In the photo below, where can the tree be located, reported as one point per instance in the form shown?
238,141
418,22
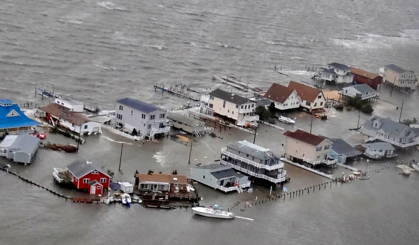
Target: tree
260,111
272,109
150,172
408,121
174,172
367,108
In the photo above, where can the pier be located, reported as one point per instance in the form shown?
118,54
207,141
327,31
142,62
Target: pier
176,93
232,81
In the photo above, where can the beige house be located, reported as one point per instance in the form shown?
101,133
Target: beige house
233,107
312,98
400,77
303,147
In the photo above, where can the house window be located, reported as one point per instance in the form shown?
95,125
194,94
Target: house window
228,111
143,116
318,148
237,106
149,126
242,107
152,117
232,112
224,104
203,177
319,97
132,112
85,126
95,172
211,105
211,97
86,180
121,108
102,180
308,103
161,125
161,115
321,103
315,104
326,147
98,187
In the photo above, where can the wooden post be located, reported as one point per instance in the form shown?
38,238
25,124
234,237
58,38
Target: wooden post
401,111
190,152
120,157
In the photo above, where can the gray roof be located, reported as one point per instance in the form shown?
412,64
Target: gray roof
81,167
251,149
330,71
26,143
233,98
138,105
184,119
379,146
396,68
340,66
390,127
363,88
213,166
341,147
226,173
263,102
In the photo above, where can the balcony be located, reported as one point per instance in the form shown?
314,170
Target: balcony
280,178
233,188
321,161
253,163
59,174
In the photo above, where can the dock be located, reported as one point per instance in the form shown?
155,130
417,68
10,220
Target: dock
329,176
176,93
232,81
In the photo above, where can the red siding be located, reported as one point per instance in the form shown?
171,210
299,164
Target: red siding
92,177
373,83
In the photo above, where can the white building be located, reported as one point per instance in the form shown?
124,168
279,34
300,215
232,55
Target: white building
71,104
233,107
140,118
379,150
399,77
312,99
220,177
255,161
19,148
284,98
338,73
363,90
74,121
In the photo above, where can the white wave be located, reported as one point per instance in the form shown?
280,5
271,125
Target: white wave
111,6
222,45
159,47
297,72
120,142
269,42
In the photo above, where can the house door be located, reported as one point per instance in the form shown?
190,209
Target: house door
93,189
154,187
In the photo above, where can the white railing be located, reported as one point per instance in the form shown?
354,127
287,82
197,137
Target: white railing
279,179
115,131
329,176
160,130
327,162
233,188
258,165
56,174
382,138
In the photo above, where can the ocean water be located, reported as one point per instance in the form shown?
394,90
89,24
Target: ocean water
100,51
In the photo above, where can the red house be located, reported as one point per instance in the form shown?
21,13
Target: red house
85,175
369,78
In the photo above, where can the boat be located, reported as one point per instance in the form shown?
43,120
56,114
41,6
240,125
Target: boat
155,203
211,212
415,167
286,120
406,171
126,199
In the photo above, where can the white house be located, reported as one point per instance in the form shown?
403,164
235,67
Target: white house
399,77
284,98
233,107
71,104
385,129
363,90
140,118
19,148
73,121
338,73
312,99
258,162
379,150
220,177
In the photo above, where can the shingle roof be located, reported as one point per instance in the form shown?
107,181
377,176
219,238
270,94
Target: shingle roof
18,119
5,101
167,178
65,114
395,68
81,167
379,146
363,73
233,98
278,93
339,66
305,137
251,149
341,147
213,166
363,88
390,127
226,173
305,92
26,143
184,119
138,105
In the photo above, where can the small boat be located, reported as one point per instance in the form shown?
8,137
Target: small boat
415,167
406,171
126,199
286,120
211,212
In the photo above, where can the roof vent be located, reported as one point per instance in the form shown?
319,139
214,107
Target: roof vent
174,178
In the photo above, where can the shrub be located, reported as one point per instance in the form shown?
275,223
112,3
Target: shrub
408,121
324,117
150,172
110,173
367,108
339,107
174,172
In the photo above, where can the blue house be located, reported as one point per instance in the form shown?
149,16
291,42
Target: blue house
342,151
12,119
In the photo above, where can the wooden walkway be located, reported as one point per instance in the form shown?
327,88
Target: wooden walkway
172,92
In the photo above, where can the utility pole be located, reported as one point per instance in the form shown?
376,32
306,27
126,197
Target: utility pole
401,110
78,141
311,124
120,157
394,83
254,136
190,152
359,117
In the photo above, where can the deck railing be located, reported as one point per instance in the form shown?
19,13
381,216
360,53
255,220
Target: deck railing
280,177
253,163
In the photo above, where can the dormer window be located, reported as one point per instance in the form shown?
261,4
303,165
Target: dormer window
95,172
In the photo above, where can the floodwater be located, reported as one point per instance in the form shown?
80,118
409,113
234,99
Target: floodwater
100,51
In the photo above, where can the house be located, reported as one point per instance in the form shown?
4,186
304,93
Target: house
386,130
399,77
303,147
365,77
71,104
19,148
220,177
232,107
13,120
140,118
337,73
284,98
164,183
258,162
342,151
74,121
187,124
362,90
379,150
85,176
312,98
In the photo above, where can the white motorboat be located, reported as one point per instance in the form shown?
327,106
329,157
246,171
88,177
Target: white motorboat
126,199
213,213
406,171
415,167
286,120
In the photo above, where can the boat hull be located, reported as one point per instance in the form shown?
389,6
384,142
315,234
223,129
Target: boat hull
217,215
